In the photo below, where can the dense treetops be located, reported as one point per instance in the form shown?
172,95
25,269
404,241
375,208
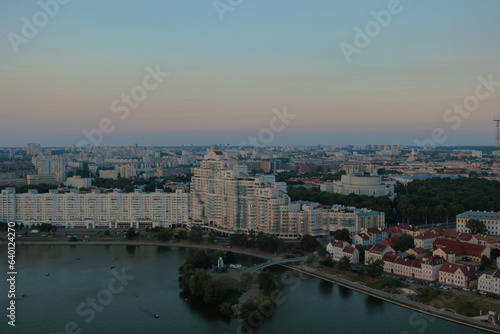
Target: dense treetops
421,201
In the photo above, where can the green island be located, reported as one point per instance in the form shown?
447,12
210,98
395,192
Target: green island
237,293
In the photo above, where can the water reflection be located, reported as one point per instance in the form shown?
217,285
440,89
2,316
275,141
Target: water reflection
162,249
325,287
373,303
345,292
131,249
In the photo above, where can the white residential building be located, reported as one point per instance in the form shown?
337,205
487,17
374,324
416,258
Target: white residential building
225,198
116,209
490,281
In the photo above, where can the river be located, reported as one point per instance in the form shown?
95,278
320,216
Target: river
73,289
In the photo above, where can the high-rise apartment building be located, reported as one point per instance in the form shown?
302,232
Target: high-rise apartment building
55,165
225,197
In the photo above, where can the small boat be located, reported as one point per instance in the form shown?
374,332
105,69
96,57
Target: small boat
137,295
46,274
113,267
157,316
115,258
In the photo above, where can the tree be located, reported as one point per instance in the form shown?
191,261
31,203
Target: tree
212,293
343,234
249,306
327,262
131,234
266,282
226,309
344,264
196,282
106,232
495,252
309,243
212,237
246,278
485,261
196,235
405,242
164,235
182,234
476,226
375,268
200,259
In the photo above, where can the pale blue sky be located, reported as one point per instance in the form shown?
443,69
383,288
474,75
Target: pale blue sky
227,76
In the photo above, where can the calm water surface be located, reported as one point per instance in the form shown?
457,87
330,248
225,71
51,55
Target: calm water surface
62,301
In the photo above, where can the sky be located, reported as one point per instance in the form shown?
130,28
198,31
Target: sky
342,76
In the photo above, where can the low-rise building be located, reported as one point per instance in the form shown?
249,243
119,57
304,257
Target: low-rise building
41,179
453,251
397,265
430,267
417,252
376,252
425,240
456,274
490,281
352,253
335,249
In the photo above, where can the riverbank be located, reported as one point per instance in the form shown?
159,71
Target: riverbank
398,300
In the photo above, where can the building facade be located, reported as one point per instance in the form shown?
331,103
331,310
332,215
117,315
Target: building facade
490,219
92,210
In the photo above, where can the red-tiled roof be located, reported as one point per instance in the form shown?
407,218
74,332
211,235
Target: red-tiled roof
390,241
377,249
427,235
459,248
452,268
349,249
432,260
420,250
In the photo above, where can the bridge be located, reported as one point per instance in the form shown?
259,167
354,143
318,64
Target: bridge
269,263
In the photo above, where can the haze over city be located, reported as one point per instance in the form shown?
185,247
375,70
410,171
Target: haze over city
229,69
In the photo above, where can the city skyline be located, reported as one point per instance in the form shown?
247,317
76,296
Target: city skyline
229,69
